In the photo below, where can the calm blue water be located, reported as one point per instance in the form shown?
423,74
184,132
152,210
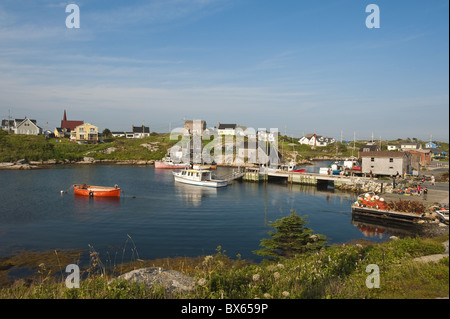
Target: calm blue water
163,218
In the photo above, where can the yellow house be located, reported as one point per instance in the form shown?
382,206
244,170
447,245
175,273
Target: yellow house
85,133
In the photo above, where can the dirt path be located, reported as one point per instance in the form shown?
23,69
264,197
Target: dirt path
434,258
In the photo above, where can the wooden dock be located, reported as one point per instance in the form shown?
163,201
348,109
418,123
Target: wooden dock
257,174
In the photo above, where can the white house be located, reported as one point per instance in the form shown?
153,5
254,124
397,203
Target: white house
27,126
410,146
226,129
316,140
118,134
392,147
139,132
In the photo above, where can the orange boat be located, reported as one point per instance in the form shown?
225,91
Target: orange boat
96,191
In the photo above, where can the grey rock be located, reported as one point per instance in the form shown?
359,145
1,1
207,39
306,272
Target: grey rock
173,281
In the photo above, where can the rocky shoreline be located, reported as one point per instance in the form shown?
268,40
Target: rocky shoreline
26,165
23,164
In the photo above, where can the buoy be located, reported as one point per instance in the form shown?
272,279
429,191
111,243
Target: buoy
62,192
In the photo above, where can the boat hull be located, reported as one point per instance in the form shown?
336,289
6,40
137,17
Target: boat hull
164,165
210,183
96,191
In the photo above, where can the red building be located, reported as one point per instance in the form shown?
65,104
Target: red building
69,125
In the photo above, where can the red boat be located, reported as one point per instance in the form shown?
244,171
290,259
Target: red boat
300,170
96,191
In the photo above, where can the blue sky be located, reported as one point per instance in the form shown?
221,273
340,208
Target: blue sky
300,66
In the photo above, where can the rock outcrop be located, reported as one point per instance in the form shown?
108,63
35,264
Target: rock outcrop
172,281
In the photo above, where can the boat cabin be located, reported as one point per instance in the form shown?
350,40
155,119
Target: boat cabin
198,175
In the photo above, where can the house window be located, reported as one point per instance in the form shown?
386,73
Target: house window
81,129
391,167
391,160
372,159
92,129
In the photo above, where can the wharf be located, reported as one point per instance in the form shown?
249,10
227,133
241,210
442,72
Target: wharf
391,215
264,174
438,196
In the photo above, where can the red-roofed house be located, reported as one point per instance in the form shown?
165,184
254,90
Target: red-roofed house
69,124
66,126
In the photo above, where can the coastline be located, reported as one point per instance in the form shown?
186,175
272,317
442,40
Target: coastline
23,164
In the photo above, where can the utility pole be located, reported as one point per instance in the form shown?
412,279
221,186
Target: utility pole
9,117
354,141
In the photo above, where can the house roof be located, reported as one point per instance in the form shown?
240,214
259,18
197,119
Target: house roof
383,154
227,126
325,139
372,148
21,120
420,151
141,129
71,125
5,123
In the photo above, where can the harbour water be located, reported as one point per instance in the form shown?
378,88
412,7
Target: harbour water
160,217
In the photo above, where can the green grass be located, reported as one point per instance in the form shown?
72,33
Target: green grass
37,148
335,272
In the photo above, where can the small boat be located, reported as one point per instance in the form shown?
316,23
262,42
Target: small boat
290,167
352,165
198,178
96,191
336,168
443,215
168,163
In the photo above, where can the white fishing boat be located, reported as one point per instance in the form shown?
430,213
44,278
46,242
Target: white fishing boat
198,177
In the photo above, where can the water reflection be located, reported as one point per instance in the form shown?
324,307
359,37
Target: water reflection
375,228
193,195
85,204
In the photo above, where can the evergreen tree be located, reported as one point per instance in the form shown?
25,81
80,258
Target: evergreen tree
290,238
